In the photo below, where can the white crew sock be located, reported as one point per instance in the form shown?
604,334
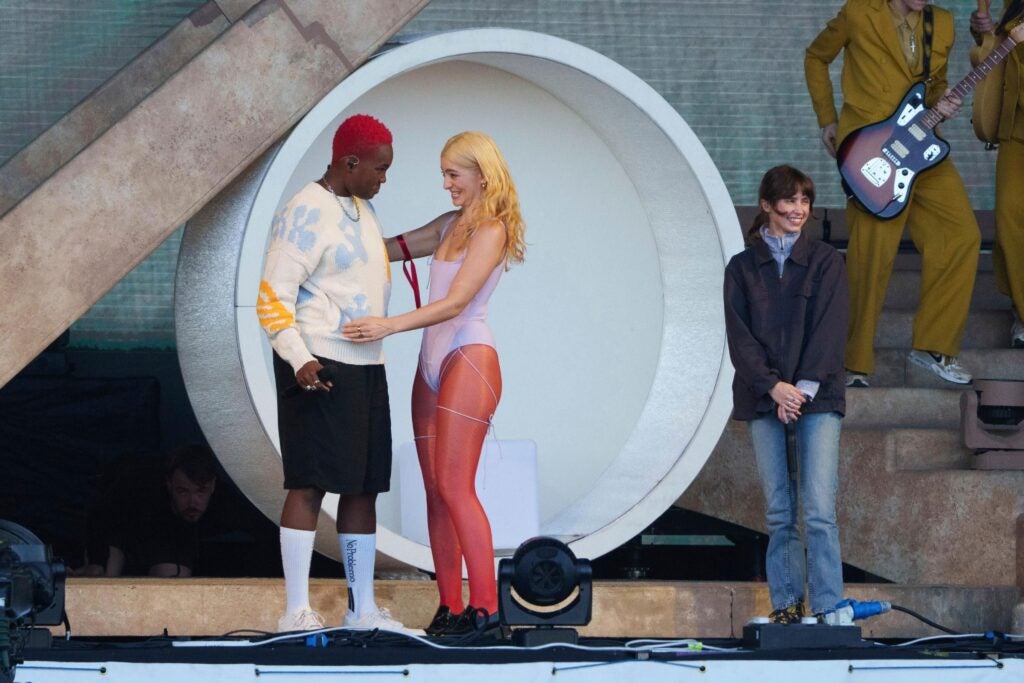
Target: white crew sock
296,556
358,552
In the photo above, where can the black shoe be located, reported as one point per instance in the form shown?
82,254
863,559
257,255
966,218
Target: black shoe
442,621
473,620
787,615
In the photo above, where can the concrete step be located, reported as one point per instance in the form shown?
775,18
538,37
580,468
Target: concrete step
656,609
930,450
902,514
894,369
904,291
903,407
986,329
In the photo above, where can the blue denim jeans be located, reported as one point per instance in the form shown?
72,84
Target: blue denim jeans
787,565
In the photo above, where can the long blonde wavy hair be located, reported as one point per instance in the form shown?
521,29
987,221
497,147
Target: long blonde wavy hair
499,200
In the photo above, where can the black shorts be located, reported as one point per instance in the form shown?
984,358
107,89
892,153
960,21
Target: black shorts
339,440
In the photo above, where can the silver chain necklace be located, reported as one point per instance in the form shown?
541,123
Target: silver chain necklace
330,189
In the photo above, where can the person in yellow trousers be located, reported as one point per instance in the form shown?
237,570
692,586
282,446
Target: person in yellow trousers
886,47
1008,254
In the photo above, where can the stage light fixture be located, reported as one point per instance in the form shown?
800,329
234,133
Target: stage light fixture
31,594
544,586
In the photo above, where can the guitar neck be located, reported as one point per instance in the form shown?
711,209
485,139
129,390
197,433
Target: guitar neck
933,118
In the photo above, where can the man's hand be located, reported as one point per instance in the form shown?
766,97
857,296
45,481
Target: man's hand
307,377
828,138
949,105
981,21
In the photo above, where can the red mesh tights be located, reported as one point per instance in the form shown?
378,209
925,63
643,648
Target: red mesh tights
450,427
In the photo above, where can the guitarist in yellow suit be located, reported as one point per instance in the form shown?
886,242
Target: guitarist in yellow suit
885,49
1008,255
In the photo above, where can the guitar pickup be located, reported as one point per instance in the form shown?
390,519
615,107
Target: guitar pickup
917,132
900,149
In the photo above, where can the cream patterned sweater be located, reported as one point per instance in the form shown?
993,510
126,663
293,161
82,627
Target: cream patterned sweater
323,270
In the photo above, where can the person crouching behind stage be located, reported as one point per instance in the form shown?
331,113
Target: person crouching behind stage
326,264
786,305
458,383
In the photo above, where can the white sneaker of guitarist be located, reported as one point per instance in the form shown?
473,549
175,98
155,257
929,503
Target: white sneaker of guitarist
946,367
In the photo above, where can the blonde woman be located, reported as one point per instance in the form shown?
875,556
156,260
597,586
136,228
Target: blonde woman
458,382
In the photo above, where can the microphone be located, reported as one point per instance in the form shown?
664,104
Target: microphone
325,374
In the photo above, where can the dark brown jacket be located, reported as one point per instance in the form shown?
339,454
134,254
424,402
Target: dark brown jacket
788,328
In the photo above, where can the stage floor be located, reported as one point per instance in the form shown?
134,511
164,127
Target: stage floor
336,654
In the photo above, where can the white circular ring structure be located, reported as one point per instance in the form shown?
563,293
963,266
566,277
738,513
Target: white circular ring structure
611,335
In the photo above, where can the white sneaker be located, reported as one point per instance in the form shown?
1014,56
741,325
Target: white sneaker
856,379
1017,333
301,619
378,619
946,367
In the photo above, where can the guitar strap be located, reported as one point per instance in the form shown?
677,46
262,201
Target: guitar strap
929,28
409,268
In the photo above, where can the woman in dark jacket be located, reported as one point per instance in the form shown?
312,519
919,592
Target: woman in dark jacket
786,312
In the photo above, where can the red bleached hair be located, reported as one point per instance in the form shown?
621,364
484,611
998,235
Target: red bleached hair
358,135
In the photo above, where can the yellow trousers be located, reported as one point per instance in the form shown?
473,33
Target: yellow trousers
1008,253
945,232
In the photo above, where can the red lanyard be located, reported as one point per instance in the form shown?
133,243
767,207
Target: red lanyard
409,268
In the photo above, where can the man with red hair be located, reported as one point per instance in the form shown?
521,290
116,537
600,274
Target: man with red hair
326,265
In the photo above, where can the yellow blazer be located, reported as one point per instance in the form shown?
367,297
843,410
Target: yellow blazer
875,73
1013,74
1011,92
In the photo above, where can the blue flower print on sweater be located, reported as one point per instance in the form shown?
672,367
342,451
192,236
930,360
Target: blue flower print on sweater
278,226
359,309
302,238
346,254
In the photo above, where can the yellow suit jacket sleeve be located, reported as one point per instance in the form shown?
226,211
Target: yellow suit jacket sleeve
875,74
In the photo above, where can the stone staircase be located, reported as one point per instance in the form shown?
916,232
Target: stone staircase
911,508
142,154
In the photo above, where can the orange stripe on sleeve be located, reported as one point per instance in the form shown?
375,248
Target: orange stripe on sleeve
273,315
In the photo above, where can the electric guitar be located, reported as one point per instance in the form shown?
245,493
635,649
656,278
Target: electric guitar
879,163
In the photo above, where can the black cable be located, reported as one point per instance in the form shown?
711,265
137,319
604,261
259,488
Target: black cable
924,619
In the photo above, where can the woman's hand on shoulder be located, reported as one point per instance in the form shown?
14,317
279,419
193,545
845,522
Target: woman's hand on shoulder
367,329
